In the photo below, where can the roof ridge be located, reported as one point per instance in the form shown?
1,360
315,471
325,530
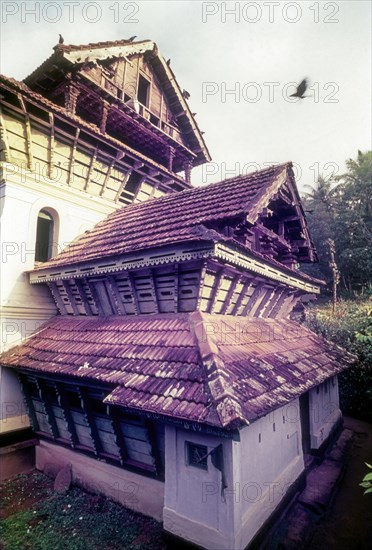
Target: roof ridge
223,401
96,45
197,189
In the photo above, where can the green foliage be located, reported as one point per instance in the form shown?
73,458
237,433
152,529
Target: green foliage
367,481
351,328
340,209
34,516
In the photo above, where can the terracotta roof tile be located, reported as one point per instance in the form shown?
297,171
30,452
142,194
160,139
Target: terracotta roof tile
170,219
264,365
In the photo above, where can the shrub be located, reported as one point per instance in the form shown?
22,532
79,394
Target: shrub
351,328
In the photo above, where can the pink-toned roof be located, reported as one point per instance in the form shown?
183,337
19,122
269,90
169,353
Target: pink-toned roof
211,369
175,218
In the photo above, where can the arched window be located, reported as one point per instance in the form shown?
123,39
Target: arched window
44,236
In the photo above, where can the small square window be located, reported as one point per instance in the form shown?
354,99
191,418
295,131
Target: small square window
196,455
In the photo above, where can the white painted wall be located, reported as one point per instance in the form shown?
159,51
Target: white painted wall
25,307
137,492
194,508
259,469
270,459
324,411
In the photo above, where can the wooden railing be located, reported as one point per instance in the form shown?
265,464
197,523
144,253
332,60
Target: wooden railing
166,127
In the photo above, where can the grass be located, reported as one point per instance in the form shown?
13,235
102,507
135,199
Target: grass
35,517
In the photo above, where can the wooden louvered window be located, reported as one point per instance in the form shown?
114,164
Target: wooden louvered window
36,409
77,416
196,455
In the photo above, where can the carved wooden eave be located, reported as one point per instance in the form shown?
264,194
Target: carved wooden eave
213,277
283,191
69,61
122,115
39,115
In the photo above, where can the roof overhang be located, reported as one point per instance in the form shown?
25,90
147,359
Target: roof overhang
242,259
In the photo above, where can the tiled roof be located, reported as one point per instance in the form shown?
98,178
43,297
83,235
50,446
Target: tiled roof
174,218
96,45
211,369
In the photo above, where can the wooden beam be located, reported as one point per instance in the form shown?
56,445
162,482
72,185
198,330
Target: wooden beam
104,116
188,167
153,288
150,428
119,156
214,294
264,303
72,93
4,143
96,297
138,189
272,314
261,229
30,158
255,299
67,414
123,81
54,289
230,293
171,155
176,287
119,437
122,185
84,299
89,175
249,282
116,294
28,400
72,156
201,284
90,420
288,304
134,293
70,296
48,408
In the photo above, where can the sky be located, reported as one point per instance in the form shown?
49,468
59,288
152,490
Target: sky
239,61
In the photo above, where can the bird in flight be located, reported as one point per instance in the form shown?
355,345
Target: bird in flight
61,39
301,89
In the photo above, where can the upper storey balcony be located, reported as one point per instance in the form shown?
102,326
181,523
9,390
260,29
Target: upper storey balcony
130,93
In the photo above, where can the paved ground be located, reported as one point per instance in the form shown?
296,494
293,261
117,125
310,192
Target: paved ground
331,513
347,524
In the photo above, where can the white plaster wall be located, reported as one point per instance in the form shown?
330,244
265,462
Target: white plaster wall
140,493
24,307
270,459
13,410
324,411
194,508
23,195
260,469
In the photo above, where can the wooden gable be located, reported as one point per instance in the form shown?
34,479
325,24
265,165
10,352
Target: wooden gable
133,81
280,230
129,91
